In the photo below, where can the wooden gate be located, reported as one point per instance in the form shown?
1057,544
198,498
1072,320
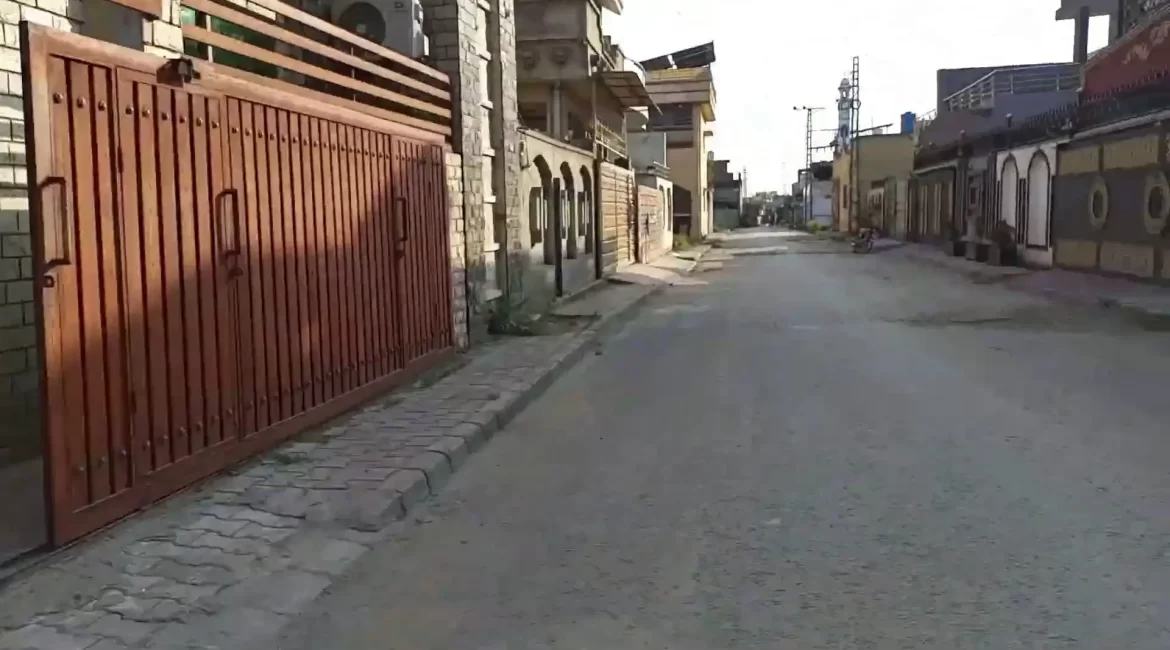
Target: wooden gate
221,263
618,216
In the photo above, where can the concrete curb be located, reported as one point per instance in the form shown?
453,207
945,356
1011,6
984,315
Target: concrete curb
453,450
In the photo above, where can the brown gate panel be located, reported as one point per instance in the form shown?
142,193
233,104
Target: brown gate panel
218,271
421,236
617,216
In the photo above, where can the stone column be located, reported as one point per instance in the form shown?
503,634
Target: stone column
451,27
506,141
454,165
473,41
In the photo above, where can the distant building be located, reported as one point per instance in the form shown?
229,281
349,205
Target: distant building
683,88
728,198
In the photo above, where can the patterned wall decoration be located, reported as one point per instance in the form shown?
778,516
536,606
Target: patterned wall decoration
1130,153
1098,203
1085,160
1133,59
1076,253
1157,204
1128,259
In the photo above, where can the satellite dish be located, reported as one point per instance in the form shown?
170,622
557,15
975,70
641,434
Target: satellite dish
365,20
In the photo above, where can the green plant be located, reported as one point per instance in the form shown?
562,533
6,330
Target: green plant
506,318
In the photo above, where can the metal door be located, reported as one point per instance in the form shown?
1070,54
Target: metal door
421,247
217,270
135,287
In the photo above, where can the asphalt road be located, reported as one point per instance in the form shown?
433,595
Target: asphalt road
806,451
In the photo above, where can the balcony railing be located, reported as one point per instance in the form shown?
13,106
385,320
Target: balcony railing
1014,81
607,137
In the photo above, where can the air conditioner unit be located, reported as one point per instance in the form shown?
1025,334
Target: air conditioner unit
396,24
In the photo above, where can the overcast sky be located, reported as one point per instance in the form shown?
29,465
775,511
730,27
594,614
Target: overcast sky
774,54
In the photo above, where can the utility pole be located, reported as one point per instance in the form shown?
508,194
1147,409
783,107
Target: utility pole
806,191
855,143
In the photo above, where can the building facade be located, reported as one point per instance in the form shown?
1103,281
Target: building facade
871,162
728,196
575,88
686,101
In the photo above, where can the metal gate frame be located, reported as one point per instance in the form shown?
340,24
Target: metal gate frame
400,316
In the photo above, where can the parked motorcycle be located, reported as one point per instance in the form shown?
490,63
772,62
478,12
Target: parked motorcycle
863,242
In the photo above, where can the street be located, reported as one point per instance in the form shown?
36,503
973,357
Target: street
818,451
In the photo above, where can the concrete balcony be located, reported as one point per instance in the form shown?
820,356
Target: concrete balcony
684,86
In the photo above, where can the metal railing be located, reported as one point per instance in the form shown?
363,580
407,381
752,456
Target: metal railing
1014,81
607,137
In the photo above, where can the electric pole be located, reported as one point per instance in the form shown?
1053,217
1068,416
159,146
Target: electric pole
854,142
806,190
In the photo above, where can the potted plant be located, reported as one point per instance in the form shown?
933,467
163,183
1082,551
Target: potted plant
1002,251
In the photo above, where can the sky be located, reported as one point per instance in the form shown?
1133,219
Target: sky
776,54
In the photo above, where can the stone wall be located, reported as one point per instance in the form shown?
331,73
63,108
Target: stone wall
458,257
474,42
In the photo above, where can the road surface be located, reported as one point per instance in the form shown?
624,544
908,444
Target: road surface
804,451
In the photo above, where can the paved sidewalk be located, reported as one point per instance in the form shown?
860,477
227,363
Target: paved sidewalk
229,564
936,256
1087,288
1060,284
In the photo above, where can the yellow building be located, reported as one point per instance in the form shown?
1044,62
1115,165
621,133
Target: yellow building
885,161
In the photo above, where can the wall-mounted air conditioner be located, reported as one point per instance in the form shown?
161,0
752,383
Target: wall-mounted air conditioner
396,24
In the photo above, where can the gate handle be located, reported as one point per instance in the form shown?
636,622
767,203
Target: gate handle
61,255
231,246
400,205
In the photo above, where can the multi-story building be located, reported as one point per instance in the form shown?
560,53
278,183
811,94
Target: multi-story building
683,88
574,89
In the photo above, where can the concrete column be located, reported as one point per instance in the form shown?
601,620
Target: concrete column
454,27
1081,36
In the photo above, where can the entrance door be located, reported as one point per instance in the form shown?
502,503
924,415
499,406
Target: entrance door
136,267
221,265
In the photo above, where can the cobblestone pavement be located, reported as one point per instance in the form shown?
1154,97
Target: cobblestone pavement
229,564
808,452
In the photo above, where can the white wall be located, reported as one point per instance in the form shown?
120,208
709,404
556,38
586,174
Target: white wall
1038,210
822,203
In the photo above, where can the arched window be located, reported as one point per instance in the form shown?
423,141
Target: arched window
1009,184
540,226
1039,181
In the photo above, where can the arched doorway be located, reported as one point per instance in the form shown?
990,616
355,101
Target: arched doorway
1009,180
539,214
568,212
585,210
1039,180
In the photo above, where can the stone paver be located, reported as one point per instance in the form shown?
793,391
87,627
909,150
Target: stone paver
232,561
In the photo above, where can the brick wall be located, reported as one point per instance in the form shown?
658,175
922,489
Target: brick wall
18,350
474,42
458,258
